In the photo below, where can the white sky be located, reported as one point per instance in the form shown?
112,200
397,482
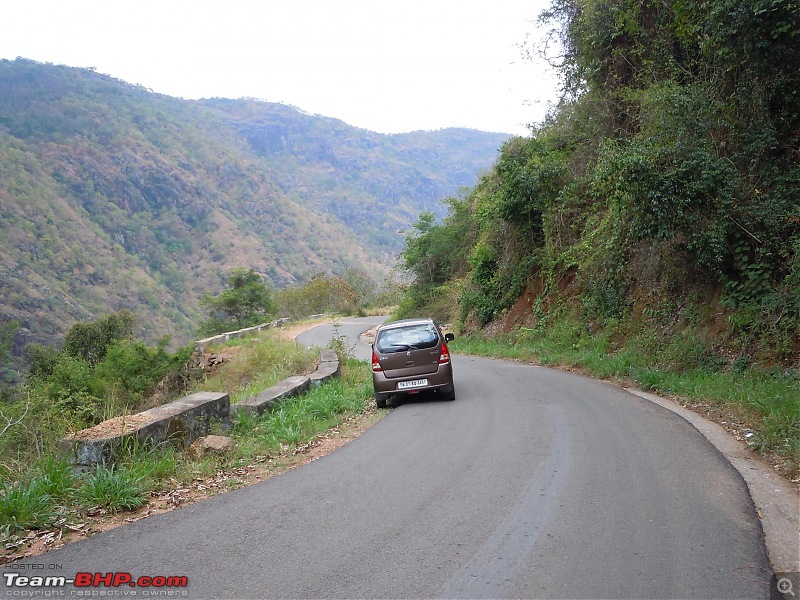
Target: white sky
385,65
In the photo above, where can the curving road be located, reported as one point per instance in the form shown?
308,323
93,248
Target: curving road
534,483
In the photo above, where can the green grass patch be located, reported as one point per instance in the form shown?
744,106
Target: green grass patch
298,419
56,477
153,466
115,488
26,505
259,361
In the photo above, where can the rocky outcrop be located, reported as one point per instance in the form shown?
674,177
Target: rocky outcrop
210,444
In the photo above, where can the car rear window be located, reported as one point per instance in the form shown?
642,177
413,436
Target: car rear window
410,337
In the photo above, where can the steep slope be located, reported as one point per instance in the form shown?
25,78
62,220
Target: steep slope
374,184
661,198
114,197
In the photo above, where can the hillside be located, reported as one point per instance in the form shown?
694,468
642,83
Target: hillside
356,175
658,206
114,197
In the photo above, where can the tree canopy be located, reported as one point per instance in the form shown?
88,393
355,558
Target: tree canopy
246,301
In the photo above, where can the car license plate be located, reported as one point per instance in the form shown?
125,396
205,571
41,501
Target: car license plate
404,385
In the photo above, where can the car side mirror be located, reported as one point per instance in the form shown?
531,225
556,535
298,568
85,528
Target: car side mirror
449,337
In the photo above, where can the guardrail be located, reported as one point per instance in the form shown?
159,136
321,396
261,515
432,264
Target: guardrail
201,345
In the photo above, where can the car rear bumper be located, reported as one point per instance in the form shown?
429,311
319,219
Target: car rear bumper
441,378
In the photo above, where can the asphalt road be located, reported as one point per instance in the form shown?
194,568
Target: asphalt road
534,483
351,329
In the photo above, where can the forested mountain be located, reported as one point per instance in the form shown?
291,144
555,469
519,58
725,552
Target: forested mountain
356,175
658,206
113,197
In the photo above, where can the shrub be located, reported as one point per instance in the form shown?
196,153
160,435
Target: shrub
112,488
90,341
322,294
134,368
56,477
25,505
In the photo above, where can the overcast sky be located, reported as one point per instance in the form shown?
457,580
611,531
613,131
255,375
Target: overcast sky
385,65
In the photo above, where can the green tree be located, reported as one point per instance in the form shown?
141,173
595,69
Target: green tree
321,294
247,301
362,284
90,341
427,254
7,332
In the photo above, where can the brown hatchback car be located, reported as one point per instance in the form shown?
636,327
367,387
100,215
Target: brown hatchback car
411,356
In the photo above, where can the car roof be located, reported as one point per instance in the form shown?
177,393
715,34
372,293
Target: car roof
406,322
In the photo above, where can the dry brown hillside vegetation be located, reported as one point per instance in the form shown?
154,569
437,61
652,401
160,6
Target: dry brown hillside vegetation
114,197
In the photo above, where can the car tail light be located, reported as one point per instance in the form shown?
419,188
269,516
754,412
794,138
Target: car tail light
376,364
444,357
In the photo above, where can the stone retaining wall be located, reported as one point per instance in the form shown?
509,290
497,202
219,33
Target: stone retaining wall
181,421
327,369
186,419
271,396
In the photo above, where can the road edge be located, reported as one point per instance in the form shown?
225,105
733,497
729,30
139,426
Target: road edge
777,502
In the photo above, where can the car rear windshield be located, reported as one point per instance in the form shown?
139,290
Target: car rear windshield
409,337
